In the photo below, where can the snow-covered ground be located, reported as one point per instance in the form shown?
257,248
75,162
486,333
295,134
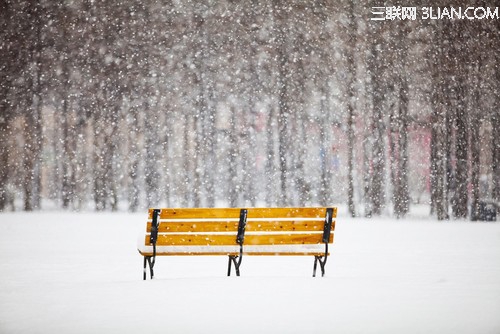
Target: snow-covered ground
81,273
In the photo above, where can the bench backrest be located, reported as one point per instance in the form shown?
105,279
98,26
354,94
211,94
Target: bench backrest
219,226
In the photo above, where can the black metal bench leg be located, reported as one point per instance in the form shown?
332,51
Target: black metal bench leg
232,260
229,266
151,272
321,264
237,266
147,260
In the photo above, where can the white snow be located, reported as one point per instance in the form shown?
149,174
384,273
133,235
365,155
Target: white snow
81,273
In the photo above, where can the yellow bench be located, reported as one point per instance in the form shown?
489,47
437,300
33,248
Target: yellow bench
235,232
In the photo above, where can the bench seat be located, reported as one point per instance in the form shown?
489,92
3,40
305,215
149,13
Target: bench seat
294,250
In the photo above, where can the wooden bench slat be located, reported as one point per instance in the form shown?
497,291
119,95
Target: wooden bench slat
286,212
285,239
186,213
196,226
176,213
232,226
193,239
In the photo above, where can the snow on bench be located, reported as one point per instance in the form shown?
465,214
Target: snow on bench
235,232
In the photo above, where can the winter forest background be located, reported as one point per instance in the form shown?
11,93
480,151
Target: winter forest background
131,104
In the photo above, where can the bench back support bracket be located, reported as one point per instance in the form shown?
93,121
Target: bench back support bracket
327,229
240,239
150,260
242,224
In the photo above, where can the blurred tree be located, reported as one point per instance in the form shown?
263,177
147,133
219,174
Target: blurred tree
351,47
458,59
439,152
398,53
10,65
495,116
281,12
378,85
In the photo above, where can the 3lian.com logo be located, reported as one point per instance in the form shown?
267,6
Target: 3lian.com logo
392,13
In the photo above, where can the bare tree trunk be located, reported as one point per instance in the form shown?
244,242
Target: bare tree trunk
37,107
210,169
111,156
68,174
283,103
134,133
152,176
460,196
351,69
398,136
28,160
476,113
495,122
377,195
399,152
100,192
67,121
325,148
475,163
255,92
433,168
186,162
234,184
459,201
439,164
5,133
248,177
270,160
439,138
206,127
297,147
81,177
197,160
404,191
5,112
32,126
249,161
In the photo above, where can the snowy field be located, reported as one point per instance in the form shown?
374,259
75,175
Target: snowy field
81,273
